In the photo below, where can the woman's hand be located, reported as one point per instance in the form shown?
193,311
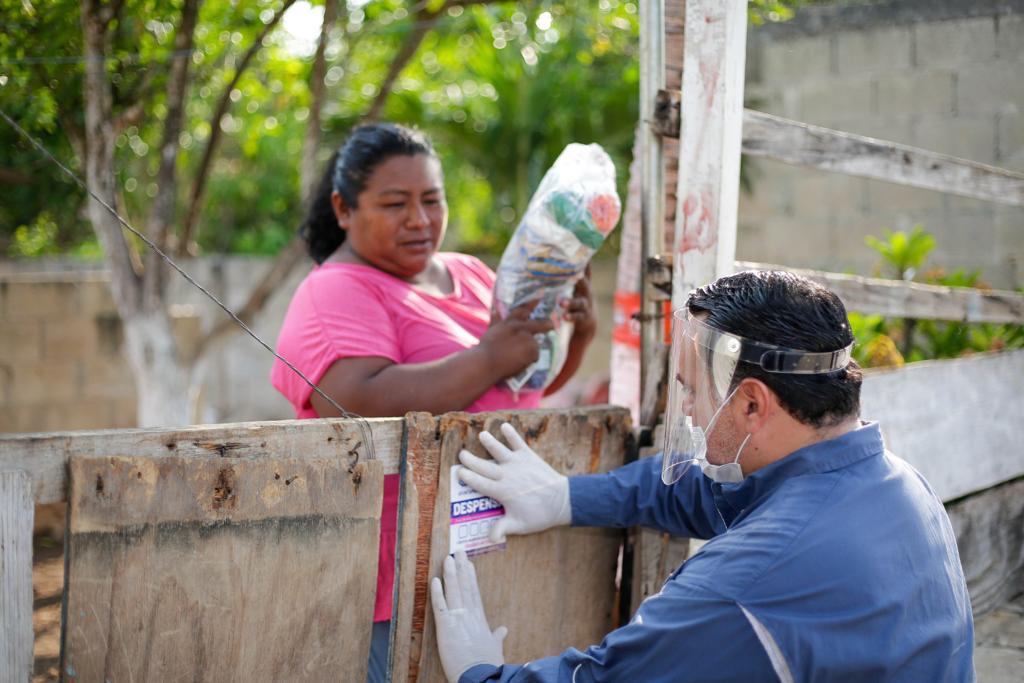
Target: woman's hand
509,343
579,310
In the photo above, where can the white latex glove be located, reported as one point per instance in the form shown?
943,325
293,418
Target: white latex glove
534,495
463,637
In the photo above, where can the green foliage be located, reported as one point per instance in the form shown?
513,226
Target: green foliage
36,239
903,253
502,87
885,342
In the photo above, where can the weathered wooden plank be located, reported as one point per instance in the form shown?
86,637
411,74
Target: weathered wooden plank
714,47
989,528
220,569
16,635
803,144
652,169
44,456
655,554
957,421
418,496
570,571
896,298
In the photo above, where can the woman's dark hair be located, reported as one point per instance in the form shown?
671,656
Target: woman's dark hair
790,311
347,172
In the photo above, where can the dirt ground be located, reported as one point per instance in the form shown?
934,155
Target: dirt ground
47,585
998,658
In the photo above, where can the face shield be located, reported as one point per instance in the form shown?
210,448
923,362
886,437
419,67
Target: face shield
703,364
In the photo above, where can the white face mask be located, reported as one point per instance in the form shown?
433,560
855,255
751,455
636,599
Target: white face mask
729,473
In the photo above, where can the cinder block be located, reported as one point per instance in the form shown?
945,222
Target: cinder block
1008,228
916,92
27,300
6,380
808,57
821,103
49,381
815,194
874,51
890,198
21,341
968,137
107,378
849,252
955,43
26,418
990,90
95,298
70,339
1010,136
771,188
1010,37
82,415
121,413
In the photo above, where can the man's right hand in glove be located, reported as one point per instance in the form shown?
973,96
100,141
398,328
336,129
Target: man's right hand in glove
534,495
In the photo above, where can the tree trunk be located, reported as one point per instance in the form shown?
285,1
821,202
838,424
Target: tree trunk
161,383
151,349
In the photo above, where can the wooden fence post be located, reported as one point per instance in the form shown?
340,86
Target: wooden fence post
16,636
714,46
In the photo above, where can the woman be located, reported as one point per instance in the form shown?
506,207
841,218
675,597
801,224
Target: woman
386,324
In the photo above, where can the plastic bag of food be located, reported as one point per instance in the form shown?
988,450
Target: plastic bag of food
570,215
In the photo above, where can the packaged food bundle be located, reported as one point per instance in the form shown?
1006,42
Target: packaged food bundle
570,215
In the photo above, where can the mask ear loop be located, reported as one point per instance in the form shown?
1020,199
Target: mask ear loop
714,418
740,451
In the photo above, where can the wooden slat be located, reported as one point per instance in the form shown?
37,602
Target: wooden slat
220,569
418,498
958,422
16,635
989,530
655,554
707,196
44,456
803,144
895,298
570,571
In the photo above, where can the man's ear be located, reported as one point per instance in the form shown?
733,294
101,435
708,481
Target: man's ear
341,210
754,404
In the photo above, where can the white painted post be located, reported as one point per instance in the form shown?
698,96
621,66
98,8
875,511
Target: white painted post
16,635
714,48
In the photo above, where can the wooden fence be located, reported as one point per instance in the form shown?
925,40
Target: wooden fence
249,551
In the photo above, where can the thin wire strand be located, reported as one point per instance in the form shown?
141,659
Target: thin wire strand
364,425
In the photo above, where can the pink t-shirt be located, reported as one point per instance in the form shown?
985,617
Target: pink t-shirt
344,310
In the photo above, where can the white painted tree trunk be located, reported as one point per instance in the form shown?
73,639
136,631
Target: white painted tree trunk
161,379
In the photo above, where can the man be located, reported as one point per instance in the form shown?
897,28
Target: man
829,559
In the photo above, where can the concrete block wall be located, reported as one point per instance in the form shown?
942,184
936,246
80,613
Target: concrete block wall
936,74
62,364
59,355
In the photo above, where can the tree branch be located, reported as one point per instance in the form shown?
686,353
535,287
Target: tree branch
161,214
281,267
318,90
199,183
424,21
99,160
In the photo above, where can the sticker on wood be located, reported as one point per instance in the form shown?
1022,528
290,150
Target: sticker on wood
220,569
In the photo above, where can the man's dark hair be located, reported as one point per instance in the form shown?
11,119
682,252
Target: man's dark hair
347,172
790,311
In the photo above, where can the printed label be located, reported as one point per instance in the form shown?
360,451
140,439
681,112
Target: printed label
472,515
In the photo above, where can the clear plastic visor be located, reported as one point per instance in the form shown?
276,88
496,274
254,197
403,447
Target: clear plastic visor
702,366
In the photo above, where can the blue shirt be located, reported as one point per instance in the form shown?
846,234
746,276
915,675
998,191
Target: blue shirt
835,563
